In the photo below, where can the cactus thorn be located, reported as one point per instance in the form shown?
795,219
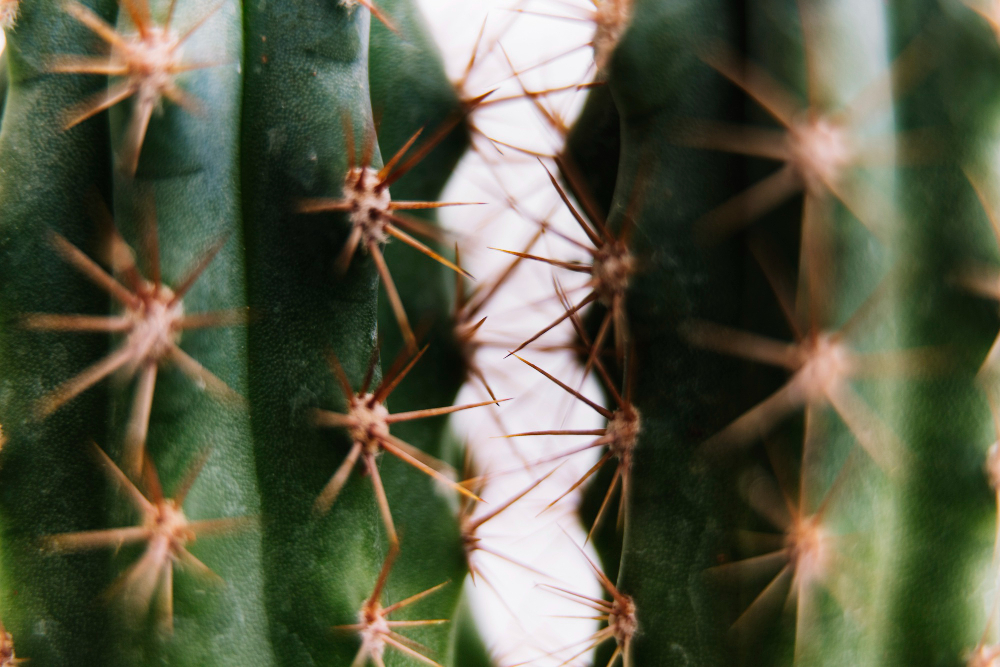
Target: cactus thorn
368,422
378,632
148,64
821,361
7,657
819,147
610,19
374,216
152,323
349,5
164,528
619,436
612,263
8,17
807,554
470,525
619,613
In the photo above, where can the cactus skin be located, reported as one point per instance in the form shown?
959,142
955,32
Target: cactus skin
946,510
306,65
410,92
470,651
594,144
926,527
4,83
676,516
190,165
853,39
49,483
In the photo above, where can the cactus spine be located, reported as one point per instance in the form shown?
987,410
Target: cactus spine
202,461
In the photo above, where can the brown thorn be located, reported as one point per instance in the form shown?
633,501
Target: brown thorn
755,82
381,16
758,420
121,479
181,492
410,652
83,381
526,151
424,205
184,100
99,102
341,375
604,504
199,23
99,26
530,94
475,525
332,488
415,598
771,265
170,15
343,260
138,424
418,226
202,376
390,289
571,266
741,344
135,133
328,419
390,527
569,313
594,236
414,243
82,323
216,318
604,412
89,268
757,200
431,142
195,272
392,378
394,160
575,180
587,475
753,141
87,65
390,447
422,456
436,412
151,480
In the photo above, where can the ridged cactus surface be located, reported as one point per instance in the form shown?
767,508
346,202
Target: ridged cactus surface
232,333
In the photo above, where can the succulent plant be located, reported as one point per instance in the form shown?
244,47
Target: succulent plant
789,223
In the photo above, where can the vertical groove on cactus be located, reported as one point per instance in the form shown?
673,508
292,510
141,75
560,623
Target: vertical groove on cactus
675,513
48,483
183,215
410,93
790,236
305,69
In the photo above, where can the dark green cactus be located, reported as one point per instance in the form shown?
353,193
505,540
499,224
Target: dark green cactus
183,213
791,211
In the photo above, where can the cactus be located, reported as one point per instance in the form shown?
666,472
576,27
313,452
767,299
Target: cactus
198,205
